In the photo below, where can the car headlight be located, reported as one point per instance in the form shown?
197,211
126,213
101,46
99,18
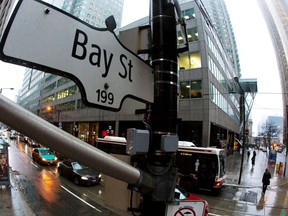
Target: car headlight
84,178
99,176
55,158
43,159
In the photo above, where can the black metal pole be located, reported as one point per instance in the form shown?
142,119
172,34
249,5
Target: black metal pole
163,116
242,108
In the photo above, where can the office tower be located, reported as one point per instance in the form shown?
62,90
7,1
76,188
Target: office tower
218,15
275,13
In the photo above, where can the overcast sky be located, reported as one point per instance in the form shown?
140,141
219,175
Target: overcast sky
257,57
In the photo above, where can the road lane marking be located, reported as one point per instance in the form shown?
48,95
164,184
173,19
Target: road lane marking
34,164
81,199
211,214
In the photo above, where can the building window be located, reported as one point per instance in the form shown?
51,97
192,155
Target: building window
191,89
49,77
62,81
189,14
65,106
196,89
66,92
49,87
192,34
190,62
185,89
49,98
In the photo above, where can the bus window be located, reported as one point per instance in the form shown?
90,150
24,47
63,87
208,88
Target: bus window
112,145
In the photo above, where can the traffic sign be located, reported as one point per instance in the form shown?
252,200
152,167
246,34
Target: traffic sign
193,208
41,36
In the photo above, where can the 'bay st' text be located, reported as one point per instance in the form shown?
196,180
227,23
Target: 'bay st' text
99,57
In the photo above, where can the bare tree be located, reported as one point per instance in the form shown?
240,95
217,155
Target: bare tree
270,130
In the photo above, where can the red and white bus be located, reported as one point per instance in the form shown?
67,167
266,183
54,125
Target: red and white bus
200,168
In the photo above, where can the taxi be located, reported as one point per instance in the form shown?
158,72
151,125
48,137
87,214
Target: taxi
44,156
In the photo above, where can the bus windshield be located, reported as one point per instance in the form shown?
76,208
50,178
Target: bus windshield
200,168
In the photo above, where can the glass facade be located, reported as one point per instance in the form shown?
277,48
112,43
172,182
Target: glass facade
95,12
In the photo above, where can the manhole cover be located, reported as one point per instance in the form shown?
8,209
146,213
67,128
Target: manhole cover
249,196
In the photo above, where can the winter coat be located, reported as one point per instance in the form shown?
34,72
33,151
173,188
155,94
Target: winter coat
266,178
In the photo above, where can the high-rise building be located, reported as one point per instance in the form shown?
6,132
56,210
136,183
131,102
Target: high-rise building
208,103
275,13
95,12
208,109
221,21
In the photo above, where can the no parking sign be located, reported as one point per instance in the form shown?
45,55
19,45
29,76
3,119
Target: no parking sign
187,208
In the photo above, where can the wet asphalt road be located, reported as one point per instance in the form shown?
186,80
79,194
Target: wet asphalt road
48,194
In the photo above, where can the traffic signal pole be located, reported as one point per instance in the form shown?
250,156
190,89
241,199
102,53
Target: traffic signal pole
163,116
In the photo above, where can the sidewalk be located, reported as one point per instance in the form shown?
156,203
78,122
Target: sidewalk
249,191
12,201
251,175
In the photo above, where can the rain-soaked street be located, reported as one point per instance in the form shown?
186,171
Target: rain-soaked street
246,198
46,193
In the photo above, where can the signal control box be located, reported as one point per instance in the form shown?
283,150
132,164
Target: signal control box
137,141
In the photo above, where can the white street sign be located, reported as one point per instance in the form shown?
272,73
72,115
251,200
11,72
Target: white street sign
193,208
41,36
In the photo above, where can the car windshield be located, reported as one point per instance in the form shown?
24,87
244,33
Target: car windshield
45,152
77,166
181,193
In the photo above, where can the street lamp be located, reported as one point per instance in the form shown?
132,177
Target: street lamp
242,117
53,111
5,88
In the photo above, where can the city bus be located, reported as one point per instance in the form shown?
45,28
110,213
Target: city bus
200,168
112,144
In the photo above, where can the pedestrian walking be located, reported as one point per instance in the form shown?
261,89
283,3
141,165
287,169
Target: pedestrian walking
248,154
253,158
266,180
253,161
254,154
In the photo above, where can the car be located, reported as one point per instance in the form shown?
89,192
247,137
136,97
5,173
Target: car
78,173
182,195
33,143
5,139
23,138
44,156
13,135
